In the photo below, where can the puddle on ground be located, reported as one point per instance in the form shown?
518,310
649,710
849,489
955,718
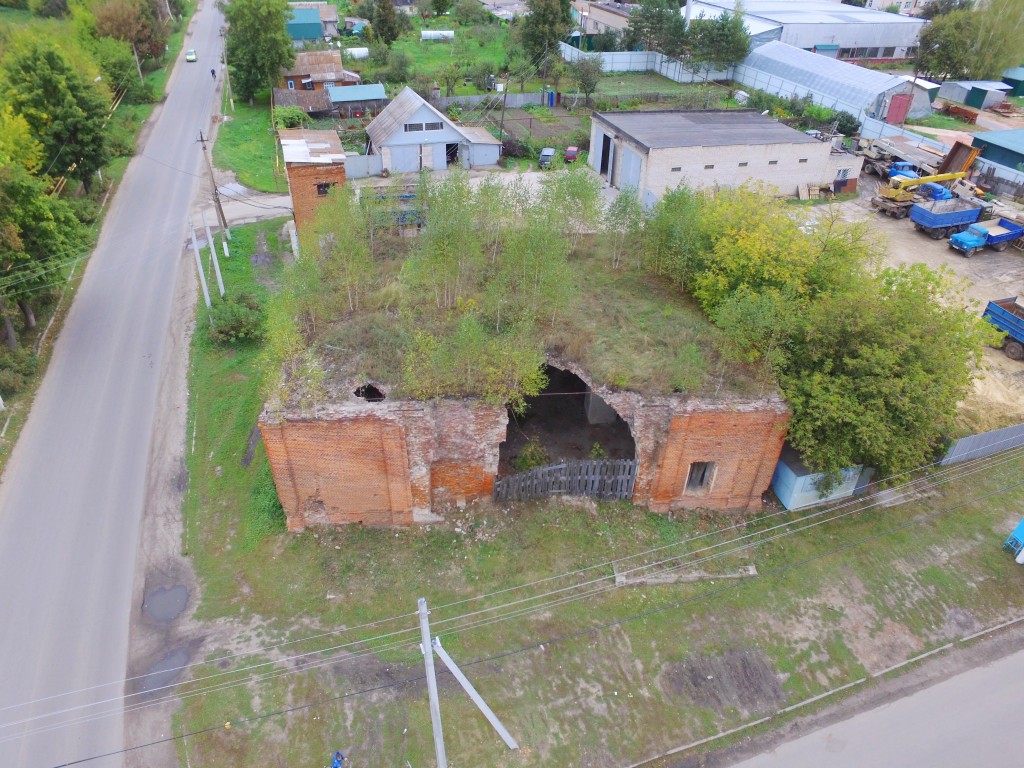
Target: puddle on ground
166,671
164,604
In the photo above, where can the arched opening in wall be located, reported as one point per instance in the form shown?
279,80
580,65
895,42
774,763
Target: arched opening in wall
369,393
565,421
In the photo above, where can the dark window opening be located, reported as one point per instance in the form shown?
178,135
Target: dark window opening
323,187
451,153
773,162
702,475
566,421
369,393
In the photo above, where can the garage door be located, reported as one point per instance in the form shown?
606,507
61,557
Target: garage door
405,159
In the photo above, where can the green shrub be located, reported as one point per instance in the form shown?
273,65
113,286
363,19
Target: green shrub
264,515
238,318
289,117
533,455
11,382
22,361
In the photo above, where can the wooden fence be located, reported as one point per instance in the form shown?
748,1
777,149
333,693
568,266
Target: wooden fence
605,479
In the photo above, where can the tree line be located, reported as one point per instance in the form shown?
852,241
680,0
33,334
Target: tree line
873,360
58,76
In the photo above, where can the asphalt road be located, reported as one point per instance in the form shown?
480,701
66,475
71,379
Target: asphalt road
73,493
963,721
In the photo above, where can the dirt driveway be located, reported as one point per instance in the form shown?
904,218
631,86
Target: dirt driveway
998,399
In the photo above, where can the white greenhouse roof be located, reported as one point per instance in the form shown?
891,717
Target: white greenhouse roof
711,10
822,75
813,12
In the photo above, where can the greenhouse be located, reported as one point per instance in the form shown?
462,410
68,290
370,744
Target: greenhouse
786,71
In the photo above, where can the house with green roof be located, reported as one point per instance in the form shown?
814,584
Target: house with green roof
305,25
1003,147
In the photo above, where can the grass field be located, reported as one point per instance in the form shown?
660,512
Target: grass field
606,679
946,122
247,145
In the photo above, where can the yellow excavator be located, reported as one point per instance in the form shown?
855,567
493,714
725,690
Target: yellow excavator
896,197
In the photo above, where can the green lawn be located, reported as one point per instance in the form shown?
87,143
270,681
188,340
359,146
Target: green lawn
247,145
830,604
946,122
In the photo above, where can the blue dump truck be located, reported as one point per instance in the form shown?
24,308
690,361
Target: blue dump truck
942,218
1008,316
996,236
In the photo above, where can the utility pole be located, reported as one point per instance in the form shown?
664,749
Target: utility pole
213,255
137,65
428,661
227,70
199,265
216,195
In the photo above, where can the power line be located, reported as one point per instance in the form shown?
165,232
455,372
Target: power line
583,632
955,473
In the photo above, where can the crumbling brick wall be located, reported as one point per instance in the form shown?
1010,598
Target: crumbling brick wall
303,181
403,462
383,464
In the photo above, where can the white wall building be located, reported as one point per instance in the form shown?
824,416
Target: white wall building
410,135
654,152
829,28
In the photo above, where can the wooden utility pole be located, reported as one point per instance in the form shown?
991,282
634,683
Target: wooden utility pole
216,195
138,66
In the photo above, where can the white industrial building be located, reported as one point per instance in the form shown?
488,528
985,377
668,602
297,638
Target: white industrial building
785,70
410,135
657,151
825,27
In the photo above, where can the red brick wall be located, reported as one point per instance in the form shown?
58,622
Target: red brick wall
384,464
743,445
332,472
302,181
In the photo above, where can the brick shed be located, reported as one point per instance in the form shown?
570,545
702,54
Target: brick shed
400,462
314,162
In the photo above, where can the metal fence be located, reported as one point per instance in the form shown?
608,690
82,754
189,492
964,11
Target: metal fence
984,444
510,100
605,479
362,166
645,61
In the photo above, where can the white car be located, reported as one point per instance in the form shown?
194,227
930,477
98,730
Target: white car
190,55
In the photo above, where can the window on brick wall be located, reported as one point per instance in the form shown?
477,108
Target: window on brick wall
323,187
291,85
701,477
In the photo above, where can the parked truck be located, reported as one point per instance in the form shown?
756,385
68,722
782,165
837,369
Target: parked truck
996,236
898,196
942,218
1008,316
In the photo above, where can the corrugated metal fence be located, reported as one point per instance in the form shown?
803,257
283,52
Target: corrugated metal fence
513,101
605,479
645,61
985,444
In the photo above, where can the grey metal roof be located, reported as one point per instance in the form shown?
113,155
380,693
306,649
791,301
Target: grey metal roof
827,77
394,115
704,128
985,85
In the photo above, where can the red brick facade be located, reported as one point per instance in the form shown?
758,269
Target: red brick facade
395,463
304,182
383,464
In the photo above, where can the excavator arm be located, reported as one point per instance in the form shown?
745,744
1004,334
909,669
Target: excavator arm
899,187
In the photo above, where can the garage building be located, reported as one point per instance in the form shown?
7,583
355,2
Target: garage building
409,134
658,151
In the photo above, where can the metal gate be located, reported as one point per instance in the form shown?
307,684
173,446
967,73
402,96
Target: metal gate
604,478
